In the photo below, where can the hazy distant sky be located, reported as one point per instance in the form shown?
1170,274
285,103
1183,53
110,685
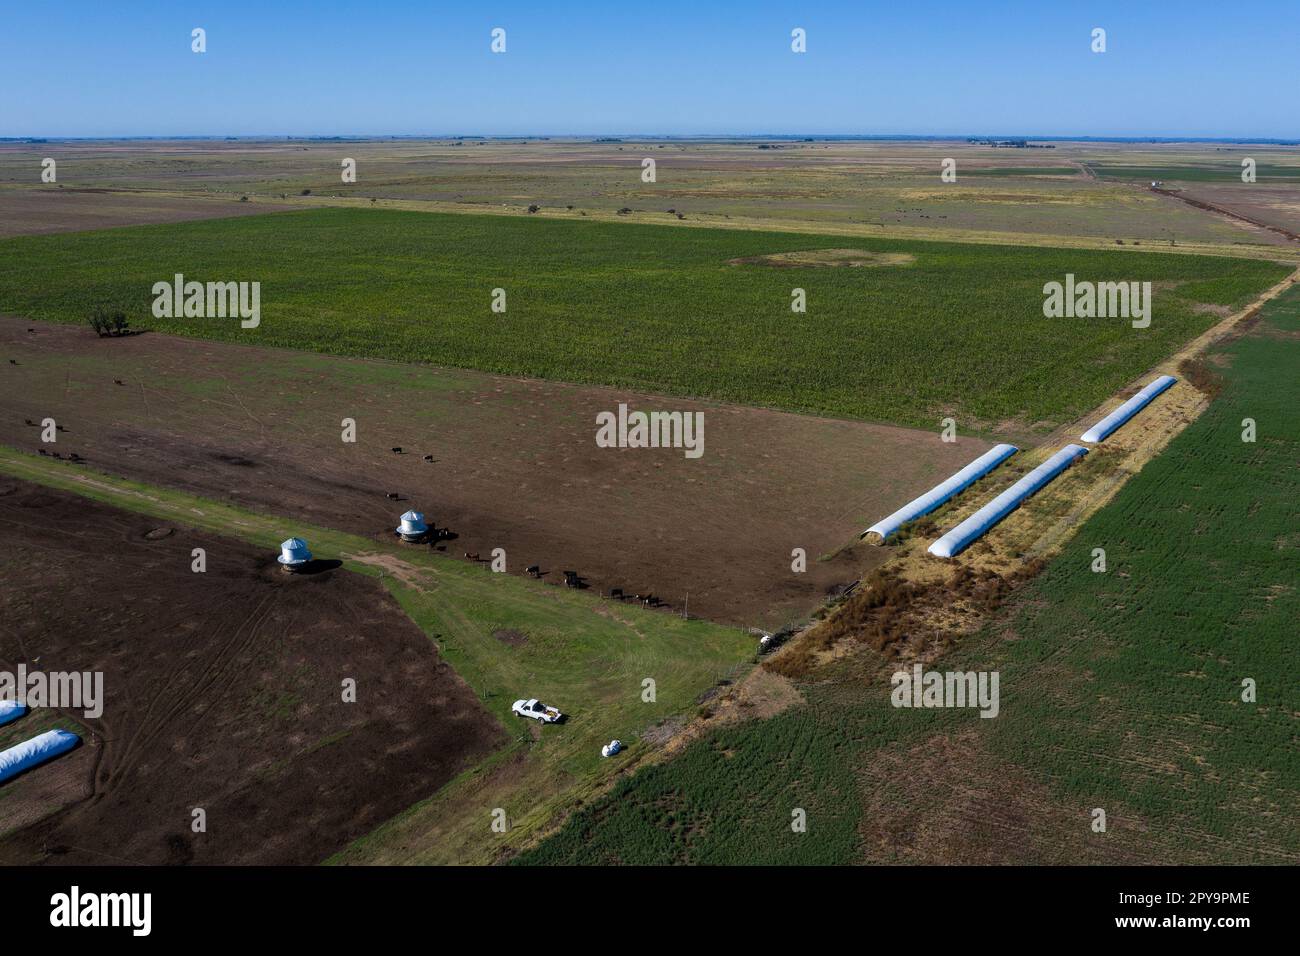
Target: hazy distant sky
1198,68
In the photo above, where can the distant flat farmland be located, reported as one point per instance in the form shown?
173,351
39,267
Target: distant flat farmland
896,331
1198,174
1021,171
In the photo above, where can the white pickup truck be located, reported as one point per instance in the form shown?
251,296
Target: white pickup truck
536,710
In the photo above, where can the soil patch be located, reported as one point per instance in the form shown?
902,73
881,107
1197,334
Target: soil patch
222,691
827,258
948,801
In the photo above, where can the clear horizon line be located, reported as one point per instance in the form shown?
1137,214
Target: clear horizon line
1026,137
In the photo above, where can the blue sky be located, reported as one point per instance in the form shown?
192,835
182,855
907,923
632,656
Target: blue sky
282,67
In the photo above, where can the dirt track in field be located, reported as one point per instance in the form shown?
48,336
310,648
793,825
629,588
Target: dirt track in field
25,212
515,464
223,691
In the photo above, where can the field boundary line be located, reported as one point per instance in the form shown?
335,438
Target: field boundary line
1285,254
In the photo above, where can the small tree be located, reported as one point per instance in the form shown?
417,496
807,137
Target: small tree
99,320
108,322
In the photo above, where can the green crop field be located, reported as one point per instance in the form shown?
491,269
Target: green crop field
1122,690
728,799
959,330
1148,659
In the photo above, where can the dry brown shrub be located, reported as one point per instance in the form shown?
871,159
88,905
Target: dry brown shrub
887,610
1201,376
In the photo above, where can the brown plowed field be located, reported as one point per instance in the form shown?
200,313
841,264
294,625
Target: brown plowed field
514,462
222,691
25,212
1271,207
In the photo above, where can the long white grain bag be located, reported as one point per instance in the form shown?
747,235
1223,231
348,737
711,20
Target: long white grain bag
11,710
957,540
36,751
941,492
1126,411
